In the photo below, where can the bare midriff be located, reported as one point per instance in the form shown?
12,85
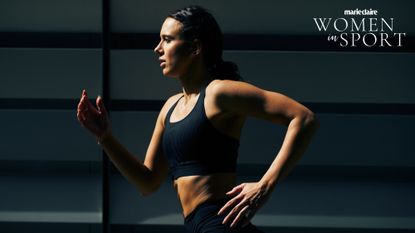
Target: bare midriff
194,190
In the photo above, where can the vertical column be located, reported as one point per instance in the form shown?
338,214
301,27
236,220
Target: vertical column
106,34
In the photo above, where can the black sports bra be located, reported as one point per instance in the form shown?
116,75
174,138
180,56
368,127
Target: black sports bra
193,146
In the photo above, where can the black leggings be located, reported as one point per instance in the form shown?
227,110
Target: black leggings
204,219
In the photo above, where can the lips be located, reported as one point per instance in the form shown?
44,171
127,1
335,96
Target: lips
162,62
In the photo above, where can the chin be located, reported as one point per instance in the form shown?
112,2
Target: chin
167,74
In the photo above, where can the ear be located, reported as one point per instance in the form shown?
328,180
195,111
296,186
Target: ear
196,48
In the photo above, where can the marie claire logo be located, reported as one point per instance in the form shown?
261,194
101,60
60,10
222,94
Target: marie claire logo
369,31
361,12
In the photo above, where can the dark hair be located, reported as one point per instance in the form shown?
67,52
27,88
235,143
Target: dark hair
199,24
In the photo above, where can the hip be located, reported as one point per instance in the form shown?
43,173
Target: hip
204,218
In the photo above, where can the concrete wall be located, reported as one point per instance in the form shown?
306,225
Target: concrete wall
356,174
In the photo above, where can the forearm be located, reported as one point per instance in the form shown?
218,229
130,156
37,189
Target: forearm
129,166
299,134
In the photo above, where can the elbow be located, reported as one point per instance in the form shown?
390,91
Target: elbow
148,186
310,120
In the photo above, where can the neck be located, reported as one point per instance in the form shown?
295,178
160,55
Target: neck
194,80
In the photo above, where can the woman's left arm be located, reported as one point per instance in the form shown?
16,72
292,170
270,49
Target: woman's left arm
245,99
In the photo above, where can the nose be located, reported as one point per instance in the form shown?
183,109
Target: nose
157,49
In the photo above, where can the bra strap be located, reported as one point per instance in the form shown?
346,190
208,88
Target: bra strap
167,120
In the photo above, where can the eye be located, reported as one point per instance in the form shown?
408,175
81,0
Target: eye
167,39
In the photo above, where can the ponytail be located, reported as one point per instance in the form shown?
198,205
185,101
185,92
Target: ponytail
225,70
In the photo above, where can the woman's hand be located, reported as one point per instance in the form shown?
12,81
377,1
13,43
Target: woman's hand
95,119
248,198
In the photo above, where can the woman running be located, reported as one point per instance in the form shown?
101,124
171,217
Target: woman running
196,136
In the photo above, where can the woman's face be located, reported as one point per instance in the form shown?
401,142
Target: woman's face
173,51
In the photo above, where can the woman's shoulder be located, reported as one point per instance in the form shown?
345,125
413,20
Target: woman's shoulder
231,88
232,96
220,87
220,93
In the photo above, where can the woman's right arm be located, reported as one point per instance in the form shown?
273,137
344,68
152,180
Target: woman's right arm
147,176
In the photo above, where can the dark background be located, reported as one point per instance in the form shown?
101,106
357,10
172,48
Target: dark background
357,175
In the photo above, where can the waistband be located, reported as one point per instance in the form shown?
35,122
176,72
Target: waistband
209,203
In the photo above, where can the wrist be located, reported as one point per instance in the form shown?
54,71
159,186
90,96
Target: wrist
104,136
268,183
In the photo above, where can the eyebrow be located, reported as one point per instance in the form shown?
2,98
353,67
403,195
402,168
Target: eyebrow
166,35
